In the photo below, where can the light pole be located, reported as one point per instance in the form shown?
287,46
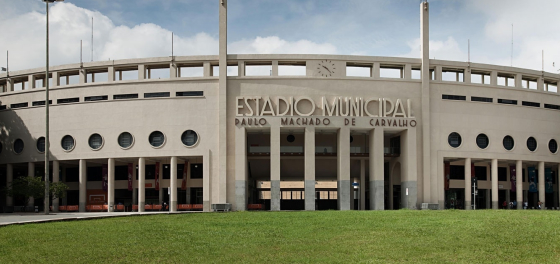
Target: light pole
47,144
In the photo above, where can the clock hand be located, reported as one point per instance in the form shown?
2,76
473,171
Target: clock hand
327,69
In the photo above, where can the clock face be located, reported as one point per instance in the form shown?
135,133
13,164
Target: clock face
326,68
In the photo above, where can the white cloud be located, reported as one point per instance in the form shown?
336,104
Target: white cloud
275,45
442,50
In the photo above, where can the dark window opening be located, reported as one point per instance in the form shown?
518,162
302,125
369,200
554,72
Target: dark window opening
68,100
196,171
502,173
481,99
191,93
39,103
507,101
552,106
153,95
95,98
453,97
19,105
456,172
125,96
533,104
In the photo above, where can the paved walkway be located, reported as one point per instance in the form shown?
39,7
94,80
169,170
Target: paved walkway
27,218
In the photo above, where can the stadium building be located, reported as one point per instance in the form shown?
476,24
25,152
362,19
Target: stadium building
285,132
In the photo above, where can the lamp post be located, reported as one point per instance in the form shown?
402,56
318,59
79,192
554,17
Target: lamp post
47,144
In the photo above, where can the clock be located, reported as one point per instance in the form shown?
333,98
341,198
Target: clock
326,68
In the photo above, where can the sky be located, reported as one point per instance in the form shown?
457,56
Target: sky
142,28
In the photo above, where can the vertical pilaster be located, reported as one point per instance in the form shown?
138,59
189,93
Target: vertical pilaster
111,74
206,190
542,190
427,175
188,191
172,70
494,175
241,68
540,85
141,184
493,78
375,71
467,75
161,189
9,179
362,184
518,80
274,168
468,185
173,185
56,178
55,80
31,173
111,184
82,179
309,156
376,170
240,168
207,69
438,73
141,72
31,81
409,182
275,68
407,71
9,85
343,168
82,76
519,183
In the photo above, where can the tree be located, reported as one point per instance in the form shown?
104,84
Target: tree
30,186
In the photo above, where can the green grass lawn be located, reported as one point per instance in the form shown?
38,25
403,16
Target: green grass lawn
293,237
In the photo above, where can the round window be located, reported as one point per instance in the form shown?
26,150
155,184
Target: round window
41,144
156,139
189,138
508,143
532,144
552,146
125,140
482,141
18,146
67,143
454,140
95,141
290,138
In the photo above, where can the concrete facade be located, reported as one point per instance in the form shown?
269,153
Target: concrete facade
308,135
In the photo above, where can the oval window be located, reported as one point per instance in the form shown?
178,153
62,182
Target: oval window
508,143
454,140
552,146
67,143
156,139
532,144
125,140
41,144
482,141
189,138
95,141
18,146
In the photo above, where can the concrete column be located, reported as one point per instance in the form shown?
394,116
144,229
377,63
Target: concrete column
82,179
407,72
31,173
518,82
309,156
220,171
427,175
241,68
493,78
111,74
409,182
141,184
375,71
207,69
188,191
31,81
467,75
56,178
111,184
240,168
519,183
9,179
55,80
468,185
376,171
541,185
540,85
343,168
9,85
437,73
275,68
161,189
141,72
275,168
83,76
173,185
206,190
362,185
494,171
172,70
134,184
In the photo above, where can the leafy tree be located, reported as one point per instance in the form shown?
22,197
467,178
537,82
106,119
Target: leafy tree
30,186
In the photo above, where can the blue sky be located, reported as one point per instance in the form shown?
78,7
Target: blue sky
141,28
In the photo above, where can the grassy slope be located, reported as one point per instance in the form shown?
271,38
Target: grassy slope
331,236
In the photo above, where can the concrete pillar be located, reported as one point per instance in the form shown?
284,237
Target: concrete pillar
376,171
31,173
427,175
56,178
83,76
111,184
362,185
55,80
161,189
519,183
375,70
188,191
468,185
309,156
173,185
141,184
141,72
111,74
275,68
82,179
31,81
407,72
467,75
9,179
207,69
240,168
343,168
540,86
493,78
409,182
488,198
518,81
438,73
494,171
206,190
172,70
241,68
542,190
220,172
9,85
275,168
134,183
